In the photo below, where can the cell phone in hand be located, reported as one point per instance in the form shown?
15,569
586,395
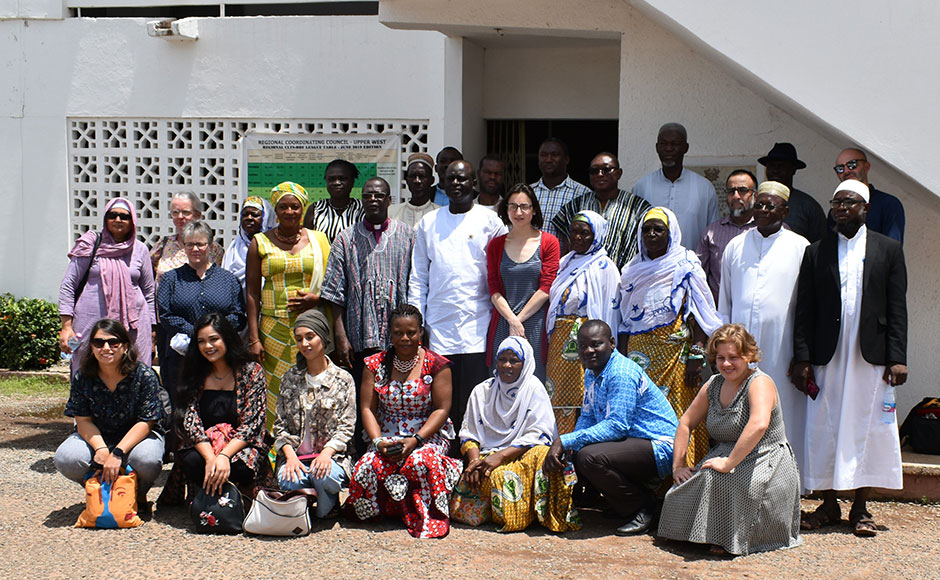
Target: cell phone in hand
394,449
812,389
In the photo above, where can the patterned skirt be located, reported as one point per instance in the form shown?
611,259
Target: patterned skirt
418,489
662,353
280,354
565,382
517,493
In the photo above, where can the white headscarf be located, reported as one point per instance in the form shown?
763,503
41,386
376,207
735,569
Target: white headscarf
653,290
587,284
519,414
237,250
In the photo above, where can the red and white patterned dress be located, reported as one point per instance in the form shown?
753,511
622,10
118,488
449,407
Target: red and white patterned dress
419,488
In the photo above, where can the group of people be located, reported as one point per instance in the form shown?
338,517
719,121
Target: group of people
484,353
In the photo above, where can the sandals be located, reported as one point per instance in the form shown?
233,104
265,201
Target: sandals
862,524
820,518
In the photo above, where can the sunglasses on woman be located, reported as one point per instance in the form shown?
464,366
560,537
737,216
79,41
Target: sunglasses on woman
113,215
100,342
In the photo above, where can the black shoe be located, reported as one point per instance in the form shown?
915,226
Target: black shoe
641,523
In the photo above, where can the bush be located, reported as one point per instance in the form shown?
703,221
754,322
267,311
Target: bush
29,333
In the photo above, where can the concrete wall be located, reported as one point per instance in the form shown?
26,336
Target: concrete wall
286,67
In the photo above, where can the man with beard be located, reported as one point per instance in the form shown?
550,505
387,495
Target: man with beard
339,211
806,216
689,195
555,188
759,272
366,278
492,180
419,176
448,282
886,215
740,188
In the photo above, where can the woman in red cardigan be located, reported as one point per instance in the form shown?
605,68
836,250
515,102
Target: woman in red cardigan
521,267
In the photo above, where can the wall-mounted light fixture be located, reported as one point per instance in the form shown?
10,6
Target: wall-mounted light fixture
171,29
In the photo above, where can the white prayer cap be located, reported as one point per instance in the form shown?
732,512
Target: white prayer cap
855,186
775,188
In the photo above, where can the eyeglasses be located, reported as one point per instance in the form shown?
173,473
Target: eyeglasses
767,205
741,191
379,195
182,213
840,168
524,207
113,215
602,170
847,203
100,342
192,245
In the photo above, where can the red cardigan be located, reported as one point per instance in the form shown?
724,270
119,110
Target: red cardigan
550,252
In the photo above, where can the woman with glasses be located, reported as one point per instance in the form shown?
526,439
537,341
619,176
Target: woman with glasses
109,275
521,267
169,253
667,312
115,402
189,292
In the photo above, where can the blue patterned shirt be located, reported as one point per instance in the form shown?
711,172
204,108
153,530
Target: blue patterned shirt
623,402
552,200
136,398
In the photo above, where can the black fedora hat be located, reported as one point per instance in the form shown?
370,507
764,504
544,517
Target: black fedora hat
783,152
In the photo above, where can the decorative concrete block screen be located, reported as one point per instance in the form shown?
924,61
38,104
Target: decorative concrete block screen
148,160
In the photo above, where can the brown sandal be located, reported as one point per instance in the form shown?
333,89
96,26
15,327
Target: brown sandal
863,525
820,518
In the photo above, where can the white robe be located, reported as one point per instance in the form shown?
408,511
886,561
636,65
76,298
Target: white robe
847,444
758,290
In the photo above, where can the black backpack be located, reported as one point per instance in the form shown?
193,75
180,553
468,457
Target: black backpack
921,428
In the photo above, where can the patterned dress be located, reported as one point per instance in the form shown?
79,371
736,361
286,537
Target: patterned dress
284,274
662,353
419,488
520,282
755,507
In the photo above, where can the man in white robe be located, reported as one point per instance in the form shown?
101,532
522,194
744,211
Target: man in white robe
850,337
759,272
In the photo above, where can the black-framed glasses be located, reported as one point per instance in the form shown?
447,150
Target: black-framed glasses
100,342
851,165
602,170
766,205
741,191
113,215
847,203
193,245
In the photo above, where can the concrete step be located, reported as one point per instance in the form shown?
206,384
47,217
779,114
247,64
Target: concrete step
921,478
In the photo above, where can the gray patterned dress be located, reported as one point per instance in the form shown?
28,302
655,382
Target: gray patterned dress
521,281
755,507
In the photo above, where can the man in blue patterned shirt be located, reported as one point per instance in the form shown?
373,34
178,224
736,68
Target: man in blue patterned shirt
622,442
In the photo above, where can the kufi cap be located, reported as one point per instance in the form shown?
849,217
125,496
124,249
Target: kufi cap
855,186
775,188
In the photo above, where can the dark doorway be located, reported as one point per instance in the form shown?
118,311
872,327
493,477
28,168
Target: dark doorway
517,141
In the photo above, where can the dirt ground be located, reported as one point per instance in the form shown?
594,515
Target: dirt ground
38,508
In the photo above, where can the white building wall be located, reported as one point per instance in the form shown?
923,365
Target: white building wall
265,67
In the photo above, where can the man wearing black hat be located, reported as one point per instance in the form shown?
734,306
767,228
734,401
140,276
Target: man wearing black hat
806,216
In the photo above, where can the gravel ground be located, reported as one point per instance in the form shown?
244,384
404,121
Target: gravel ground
37,539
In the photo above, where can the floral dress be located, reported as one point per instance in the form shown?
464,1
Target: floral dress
419,488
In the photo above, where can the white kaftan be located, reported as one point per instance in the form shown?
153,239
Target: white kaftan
758,290
448,277
847,444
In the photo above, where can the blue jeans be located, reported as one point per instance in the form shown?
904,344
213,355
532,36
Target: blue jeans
328,487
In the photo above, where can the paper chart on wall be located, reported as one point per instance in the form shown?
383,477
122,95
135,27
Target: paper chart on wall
271,158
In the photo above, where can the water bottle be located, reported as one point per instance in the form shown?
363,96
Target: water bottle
74,342
888,406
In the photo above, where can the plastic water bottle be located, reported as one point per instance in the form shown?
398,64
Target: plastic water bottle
888,406
74,342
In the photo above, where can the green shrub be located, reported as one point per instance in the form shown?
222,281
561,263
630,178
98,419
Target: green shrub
29,333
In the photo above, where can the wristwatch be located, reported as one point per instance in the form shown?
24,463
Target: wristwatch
421,440
118,452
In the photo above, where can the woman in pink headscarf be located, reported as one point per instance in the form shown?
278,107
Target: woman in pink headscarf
109,276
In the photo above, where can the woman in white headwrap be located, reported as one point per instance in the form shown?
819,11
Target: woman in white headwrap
587,286
505,437
256,216
667,313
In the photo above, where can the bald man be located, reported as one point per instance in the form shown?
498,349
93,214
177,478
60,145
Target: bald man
886,213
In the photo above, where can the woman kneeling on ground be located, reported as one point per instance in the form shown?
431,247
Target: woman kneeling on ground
505,436
316,417
115,401
406,394
220,412
744,496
